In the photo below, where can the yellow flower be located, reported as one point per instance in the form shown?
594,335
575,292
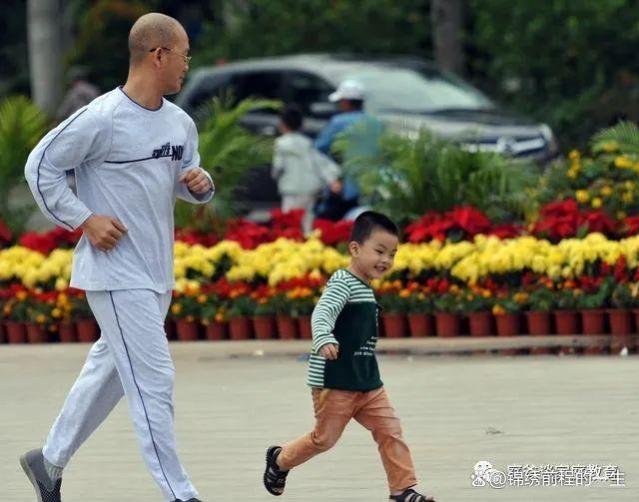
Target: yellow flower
582,196
627,197
404,293
572,173
498,310
56,313
606,191
41,319
623,162
574,155
176,308
596,202
21,295
610,146
201,299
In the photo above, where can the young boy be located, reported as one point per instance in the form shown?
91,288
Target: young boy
343,372
299,169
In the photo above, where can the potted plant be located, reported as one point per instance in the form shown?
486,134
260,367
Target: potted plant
15,312
63,314
566,315
286,324
477,304
507,310
240,311
303,302
591,304
394,306
541,302
213,316
620,318
40,317
186,309
87,328
264,319
419,311
447,310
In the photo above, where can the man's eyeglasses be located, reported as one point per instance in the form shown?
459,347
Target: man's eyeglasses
187,59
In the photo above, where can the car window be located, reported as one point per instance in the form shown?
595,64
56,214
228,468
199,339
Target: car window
406,90
206,89
305,89
261,85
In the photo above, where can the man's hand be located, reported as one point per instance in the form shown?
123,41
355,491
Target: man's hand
103,232
329,351
197,182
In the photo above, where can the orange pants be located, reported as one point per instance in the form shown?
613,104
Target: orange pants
333,410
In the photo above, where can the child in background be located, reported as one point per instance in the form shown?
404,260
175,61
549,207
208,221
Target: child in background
300,170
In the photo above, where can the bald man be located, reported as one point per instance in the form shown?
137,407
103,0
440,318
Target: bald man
133,153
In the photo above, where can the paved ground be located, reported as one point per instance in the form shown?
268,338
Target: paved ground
455,410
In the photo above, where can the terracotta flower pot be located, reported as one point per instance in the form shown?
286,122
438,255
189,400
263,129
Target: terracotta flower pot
240,328
539,324
620,329
187,330
481,324
217,330
304,327
394,325
447,324
88,330
286,327
593,321
16,332
420,325
567,322
37,333
508,324
264,327
66,331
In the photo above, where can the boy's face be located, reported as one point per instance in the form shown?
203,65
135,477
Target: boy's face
375,256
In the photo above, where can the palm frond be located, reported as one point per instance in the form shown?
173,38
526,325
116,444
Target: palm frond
623,137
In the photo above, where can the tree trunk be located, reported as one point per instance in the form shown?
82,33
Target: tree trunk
446,16
45,55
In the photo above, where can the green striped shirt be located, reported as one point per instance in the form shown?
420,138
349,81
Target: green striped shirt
347,316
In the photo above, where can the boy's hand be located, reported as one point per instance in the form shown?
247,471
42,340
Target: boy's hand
329,351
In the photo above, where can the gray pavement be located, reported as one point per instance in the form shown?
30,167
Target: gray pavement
230,405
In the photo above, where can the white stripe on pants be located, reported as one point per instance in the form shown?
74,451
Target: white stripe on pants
131,358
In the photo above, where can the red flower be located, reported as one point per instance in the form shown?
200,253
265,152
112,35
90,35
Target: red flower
631,225
334,232
5,233
598,221
470,220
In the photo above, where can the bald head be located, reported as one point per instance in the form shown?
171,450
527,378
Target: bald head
150,31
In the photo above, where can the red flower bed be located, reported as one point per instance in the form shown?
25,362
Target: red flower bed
460,223
45,242
563,219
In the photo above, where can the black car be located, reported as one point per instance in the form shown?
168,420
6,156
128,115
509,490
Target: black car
407,94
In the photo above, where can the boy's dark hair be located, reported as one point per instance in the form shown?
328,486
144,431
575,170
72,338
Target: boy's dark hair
292,117
369,221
